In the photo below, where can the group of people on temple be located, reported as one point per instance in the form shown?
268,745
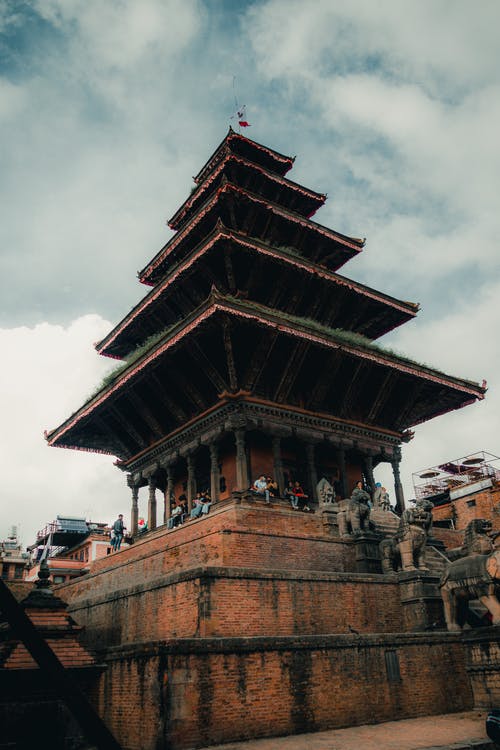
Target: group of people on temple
180,513
268,487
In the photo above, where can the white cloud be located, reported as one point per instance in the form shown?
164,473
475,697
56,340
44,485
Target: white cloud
47,371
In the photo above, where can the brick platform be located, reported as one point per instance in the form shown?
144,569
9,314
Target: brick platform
463,731
252,623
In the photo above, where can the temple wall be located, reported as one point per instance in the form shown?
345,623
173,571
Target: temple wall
238,602
189,694
483,666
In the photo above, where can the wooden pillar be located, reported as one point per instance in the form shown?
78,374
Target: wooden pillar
241,461
214,472
151,504
278,465
168,492
369,472
134,512
343,474
191,482
398,487
311,471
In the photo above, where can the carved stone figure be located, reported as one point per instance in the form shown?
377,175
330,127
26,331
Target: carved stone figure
381,498
471,577
478,540
325,492
406,549
353,514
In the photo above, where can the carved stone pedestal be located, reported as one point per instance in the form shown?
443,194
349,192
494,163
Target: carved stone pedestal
367,552
421,601
329,518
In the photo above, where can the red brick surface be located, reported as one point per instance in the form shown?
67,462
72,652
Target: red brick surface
228,690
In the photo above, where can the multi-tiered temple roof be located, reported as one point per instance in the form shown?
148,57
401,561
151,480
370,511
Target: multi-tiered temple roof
247,306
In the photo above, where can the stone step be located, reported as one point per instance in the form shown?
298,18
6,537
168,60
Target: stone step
435,560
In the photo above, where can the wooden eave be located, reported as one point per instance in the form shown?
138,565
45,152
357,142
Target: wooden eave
312,200
281,163
343,248
423,392
121,340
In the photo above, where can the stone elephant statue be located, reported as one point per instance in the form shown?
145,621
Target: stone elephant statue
471,577
406,549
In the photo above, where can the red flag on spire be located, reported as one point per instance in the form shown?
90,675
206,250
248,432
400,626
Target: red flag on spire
241,116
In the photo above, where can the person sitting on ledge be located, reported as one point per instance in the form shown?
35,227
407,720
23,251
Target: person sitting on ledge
197,506
272,487
260,487
301,496
296,495
176,515
207,502
184,507
142,526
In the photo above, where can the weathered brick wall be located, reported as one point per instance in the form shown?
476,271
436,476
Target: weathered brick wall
191,693
450,537
483,666
238,602
486,504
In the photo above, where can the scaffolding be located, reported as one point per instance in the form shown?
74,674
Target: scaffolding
437,482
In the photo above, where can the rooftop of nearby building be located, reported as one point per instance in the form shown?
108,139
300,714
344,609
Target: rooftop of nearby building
458,477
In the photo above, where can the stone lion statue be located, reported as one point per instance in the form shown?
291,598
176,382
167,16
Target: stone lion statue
471,577
406,549
354,513
478,540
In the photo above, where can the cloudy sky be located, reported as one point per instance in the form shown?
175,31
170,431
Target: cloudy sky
107,107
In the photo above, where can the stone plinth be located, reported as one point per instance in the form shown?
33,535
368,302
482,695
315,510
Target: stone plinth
422,607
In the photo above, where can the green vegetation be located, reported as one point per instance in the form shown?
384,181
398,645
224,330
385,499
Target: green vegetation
132,357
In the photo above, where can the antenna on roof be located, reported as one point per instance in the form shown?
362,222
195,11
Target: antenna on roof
240,114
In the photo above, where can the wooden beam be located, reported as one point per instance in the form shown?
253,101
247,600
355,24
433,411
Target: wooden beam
127,426
258,360
384,393
228,263
200,358
114,438
228,346
292,369
146,412
185,385
324,381
55,675
352,388
159,390
410,400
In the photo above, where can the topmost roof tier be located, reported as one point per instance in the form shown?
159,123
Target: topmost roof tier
236,143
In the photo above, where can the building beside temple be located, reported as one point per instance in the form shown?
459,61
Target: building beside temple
462,490
69,545
13,561
251,354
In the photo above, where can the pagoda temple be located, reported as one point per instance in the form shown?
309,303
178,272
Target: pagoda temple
251,354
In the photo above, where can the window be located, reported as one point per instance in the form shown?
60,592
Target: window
471,503
392,666
18,571
58,579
